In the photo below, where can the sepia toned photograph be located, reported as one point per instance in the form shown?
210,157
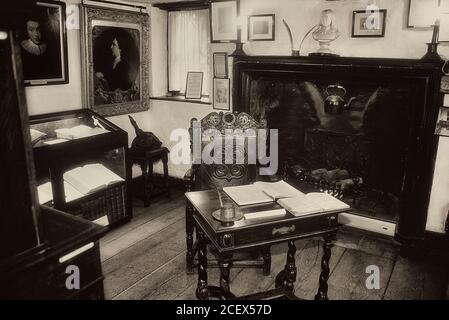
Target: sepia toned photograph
44,45
224,159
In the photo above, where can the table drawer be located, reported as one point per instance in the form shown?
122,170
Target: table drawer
278,231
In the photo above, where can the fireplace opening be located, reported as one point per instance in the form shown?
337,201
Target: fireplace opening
347,138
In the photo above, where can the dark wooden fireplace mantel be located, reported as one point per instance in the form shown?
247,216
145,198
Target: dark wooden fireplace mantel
422,148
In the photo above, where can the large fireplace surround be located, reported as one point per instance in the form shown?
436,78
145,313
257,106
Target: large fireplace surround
385,134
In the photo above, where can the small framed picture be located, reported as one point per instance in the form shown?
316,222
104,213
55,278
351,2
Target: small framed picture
194,85
222,94
369,24
442,126
261,27
223,20
422,13
220,65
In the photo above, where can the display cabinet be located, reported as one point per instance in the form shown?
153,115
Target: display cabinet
106,145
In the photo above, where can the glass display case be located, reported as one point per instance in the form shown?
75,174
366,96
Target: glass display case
82,165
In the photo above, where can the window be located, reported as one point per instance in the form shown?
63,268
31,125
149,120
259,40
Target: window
188,47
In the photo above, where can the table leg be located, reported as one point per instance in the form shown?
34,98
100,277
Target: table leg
146,196
287,277
189,236
225,266
202,290
166,182
266,252
290,267
324,276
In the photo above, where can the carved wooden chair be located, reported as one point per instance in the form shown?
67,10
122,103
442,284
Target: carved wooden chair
204,176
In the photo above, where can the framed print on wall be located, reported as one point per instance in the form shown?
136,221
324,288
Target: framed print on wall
223,20
261,27
43,44
222,94
442,127
116,65
194,85
220,65
369,24
422,13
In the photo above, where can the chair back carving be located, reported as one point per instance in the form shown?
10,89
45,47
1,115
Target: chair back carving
233,126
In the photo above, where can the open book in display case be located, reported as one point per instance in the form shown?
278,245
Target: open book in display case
74,140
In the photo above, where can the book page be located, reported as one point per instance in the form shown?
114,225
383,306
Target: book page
246,195
265,214
83,180
278,190
326,201
102,174
44,193
300,205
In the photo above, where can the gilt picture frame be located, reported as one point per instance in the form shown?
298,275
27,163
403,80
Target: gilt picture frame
43,45
116,66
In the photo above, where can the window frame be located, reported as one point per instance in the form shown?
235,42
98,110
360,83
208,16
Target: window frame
183,6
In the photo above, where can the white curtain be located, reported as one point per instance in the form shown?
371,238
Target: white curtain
188,44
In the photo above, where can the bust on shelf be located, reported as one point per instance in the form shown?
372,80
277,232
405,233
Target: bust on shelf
325,33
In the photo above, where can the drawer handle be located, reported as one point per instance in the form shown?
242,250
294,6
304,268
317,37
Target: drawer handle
283,230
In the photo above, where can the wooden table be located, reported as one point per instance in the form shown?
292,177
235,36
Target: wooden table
251,234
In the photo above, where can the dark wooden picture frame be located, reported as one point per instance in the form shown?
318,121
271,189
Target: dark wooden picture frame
44,53
197,95
215,38
368,33
218,103
224,56
270,18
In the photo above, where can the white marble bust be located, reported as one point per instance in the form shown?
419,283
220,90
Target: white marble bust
326,31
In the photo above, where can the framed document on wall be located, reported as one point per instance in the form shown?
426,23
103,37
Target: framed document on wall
194,85
220,65
222,94
223,20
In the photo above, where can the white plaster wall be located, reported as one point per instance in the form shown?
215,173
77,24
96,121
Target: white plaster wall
165,116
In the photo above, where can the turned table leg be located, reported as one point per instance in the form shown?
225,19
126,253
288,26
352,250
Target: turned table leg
225,266
189,236
324,276
146,191
202,290
287,277
266,261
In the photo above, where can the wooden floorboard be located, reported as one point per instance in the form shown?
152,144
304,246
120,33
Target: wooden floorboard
129,266
145,259
417,281
348,280
142,232
309,268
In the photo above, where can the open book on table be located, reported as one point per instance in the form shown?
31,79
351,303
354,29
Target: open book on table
91,178
285,195
310,203
80,131
261,192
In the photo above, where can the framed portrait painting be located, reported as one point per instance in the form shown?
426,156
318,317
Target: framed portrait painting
222,94
116,60
369,24
43,44
223,20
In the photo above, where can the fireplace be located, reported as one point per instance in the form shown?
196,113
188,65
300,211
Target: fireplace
361,129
